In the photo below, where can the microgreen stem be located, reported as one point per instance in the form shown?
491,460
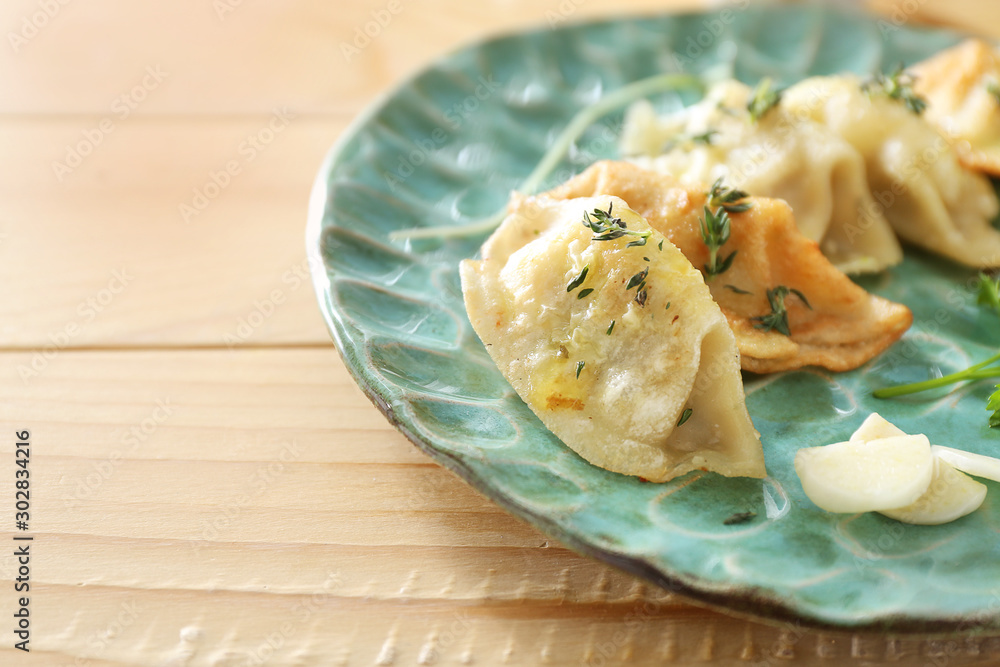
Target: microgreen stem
660,83
976,372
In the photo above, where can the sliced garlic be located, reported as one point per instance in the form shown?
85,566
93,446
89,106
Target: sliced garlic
883,474
951,495
875,428
973,464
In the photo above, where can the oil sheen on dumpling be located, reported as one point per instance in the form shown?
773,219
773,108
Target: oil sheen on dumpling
820,175
614,394
913,171
957,85
846,326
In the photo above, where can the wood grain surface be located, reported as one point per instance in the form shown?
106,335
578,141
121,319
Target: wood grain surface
209,486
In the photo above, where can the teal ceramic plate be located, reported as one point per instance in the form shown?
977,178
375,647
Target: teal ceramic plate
449,145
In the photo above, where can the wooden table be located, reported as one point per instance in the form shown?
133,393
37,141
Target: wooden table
208,486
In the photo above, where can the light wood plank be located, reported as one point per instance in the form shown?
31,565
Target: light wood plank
313,534
253,58
108,257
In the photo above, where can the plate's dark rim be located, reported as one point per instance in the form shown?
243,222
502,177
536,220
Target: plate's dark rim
757,604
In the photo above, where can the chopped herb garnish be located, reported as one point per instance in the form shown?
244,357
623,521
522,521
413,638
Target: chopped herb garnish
763,100
777,319
637,279
736,289
993,88
989,292
640,296
994,405
645,259
607,227
579,367
715,233
739,517
898,85
686,415
729,199
661,244
704,137
611,327
584,292
576,282
668,306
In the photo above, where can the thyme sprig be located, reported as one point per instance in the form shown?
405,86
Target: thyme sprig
607,227
730,199
715,229
777,319
705,138
764,98
897,85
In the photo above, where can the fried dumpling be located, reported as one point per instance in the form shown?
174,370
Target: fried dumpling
845,326
913,171
961,86
617,347
820,175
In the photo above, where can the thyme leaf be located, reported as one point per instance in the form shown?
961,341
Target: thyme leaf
637,279
897,85
579,367
989,292
994,404
584,292
611,327
736,289
777,319
576,282
686,415
607,227
763,100
729,199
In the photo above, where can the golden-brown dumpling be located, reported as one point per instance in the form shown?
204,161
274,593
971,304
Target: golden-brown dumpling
957,86
633,366
913,171
821,176
846,326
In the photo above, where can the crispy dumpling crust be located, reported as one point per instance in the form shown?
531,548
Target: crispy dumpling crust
955,83
614,394
846,327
